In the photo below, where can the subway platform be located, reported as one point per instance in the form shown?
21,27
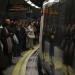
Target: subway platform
24,65
27,65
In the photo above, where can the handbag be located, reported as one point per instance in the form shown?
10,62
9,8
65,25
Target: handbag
9,42
63,44
31,35
15,39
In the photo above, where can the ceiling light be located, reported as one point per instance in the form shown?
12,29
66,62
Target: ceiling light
51,0
32,5
37,7
26,0
45,3
29,2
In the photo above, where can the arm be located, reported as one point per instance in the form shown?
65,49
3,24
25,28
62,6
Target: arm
4,34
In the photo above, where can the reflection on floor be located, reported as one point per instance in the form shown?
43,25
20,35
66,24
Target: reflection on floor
32,68
57,60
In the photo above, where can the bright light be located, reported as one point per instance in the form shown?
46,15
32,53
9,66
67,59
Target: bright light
32,5
51,0
37,7
45,3
29,2
26,0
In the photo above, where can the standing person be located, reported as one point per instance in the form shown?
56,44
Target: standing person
26,29
31,36
18,34
37,25
13,26
23,37
6,33
52,37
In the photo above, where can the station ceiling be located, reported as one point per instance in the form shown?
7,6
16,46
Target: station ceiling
38,2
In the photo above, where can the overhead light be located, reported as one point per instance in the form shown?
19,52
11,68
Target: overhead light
51,0
45,3
37,7
32,4
26,0
29,2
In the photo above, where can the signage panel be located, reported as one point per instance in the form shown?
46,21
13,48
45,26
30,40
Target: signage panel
17,8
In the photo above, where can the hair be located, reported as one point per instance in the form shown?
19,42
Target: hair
4,24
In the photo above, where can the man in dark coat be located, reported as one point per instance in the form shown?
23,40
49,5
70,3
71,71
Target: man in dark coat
7,33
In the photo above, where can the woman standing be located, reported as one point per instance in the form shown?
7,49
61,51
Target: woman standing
30,35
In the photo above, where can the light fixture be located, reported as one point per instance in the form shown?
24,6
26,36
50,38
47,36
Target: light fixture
51,0
37,7
32,4
29,2
26,0
45,3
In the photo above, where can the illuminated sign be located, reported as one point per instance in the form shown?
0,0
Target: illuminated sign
17,8
52,12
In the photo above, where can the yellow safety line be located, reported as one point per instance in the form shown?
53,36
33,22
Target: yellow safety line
20,62
23,69
17,67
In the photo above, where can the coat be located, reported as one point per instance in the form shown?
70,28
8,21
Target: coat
7,42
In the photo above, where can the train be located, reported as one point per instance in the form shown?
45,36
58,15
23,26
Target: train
56,17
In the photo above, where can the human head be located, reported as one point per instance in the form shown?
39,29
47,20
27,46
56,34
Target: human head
6,22
15,21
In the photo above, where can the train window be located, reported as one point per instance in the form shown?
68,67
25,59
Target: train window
73,14
59,36
69,9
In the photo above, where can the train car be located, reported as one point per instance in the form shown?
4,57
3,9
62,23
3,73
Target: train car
57,17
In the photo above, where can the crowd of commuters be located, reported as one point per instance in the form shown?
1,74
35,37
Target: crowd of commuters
16,36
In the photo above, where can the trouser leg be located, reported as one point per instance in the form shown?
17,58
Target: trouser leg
14,49
10,57
31,41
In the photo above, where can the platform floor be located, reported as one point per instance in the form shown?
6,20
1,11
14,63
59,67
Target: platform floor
21,63
10,70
